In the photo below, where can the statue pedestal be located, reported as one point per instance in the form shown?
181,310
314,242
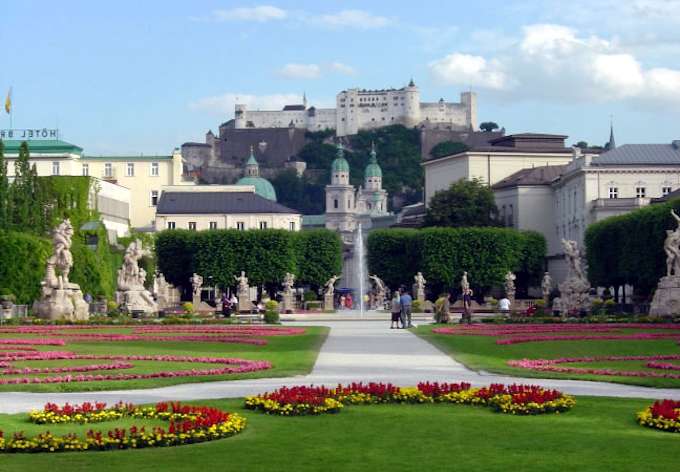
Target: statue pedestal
418,293
136,300
666,299
5,313
328,303
244,303
196,300
62,304
287,303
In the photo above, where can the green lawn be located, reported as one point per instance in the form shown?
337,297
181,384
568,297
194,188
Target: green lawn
482,353
289,355
599,434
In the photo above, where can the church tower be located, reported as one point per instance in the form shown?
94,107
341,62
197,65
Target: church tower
340,197
372,198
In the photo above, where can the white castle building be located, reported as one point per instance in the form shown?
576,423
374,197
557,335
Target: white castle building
358,109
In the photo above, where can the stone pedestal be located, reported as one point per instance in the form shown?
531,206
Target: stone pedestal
666,299
196,300
418,293
136,300
287,303
244,303
328,302
6,313
62,304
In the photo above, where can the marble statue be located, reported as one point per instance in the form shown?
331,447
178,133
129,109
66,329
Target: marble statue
59,298
575,290
510,286
131,295
666,300
287,297
379,292
243,292
464,284
419,286
546,287
328,295
166,294
196,289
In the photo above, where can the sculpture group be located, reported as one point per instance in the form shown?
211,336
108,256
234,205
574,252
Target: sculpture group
131,295
666,300
60,298
575,290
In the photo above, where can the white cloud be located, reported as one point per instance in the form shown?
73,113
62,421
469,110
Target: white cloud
260,14
224,104
465,70
359,19
300,71
556,62
341,68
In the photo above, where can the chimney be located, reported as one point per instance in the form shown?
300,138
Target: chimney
676,144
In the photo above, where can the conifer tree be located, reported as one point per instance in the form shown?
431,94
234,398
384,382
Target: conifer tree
4,188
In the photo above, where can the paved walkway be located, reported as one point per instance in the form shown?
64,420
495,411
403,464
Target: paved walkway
354,351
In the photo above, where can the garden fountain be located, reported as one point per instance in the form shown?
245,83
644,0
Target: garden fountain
360,274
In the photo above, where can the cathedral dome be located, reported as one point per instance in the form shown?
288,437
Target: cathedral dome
263,187
373,168
340,164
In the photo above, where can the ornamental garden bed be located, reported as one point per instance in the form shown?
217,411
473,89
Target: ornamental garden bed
645,354
81,358
598,434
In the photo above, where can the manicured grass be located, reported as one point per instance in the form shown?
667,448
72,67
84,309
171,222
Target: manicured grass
482,353
599,434
289,355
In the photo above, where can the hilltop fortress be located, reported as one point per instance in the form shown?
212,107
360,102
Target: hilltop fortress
358,109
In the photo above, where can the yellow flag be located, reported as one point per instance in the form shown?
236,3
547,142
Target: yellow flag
8,101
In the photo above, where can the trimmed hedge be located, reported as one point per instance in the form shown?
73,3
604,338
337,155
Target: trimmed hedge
442,254
265,256
628,249
22,264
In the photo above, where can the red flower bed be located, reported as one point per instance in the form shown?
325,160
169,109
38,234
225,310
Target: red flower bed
663,415
551,365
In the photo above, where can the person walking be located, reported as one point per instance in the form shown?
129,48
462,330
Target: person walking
406,302
395,308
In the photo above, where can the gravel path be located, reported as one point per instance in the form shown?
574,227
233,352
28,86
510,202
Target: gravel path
354,351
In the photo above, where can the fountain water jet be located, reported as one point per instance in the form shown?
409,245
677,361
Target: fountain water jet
359,251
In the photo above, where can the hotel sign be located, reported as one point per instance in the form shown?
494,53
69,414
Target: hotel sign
29,134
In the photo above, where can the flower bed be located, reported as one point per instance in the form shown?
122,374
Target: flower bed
313,400
551,365
188,424
663,415
231,366
532,333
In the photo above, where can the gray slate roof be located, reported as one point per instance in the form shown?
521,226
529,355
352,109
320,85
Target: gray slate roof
217,202
640,154
542,175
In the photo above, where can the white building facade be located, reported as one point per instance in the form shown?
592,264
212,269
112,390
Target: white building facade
360,109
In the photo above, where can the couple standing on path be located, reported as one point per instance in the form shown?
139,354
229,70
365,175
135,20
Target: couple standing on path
401,309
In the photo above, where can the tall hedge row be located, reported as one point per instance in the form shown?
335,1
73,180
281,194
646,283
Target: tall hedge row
628,249
265,256
442,254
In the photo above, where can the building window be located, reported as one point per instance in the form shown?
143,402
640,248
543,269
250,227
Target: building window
171,225
86,170
55,168
640,192
154,197
335,203
613,192
154,169
130,169
511,216
240,225
666,190
263,225
192,225
108,170
291,226
213,225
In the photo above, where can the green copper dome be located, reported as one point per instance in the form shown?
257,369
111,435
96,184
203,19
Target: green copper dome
373,169
340,164
263,187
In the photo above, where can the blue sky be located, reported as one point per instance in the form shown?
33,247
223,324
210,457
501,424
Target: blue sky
143,77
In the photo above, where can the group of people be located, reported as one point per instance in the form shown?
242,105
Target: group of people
401,309
229,304
346,302
442,307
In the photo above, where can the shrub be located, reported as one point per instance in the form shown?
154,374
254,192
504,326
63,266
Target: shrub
188,307
271,312
22,264
417,306
310,296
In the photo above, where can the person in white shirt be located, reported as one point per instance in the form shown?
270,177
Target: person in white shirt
504,304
